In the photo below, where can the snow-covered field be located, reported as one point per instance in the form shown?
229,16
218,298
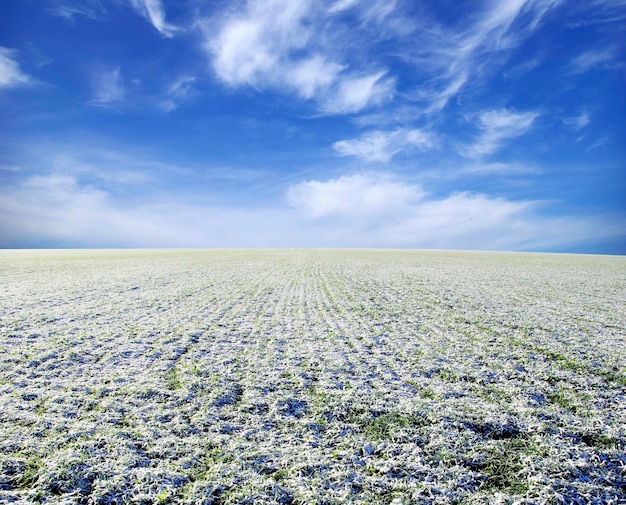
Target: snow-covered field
311,377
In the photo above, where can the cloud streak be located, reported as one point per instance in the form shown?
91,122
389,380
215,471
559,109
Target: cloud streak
151,10
10,74
92,9
606,12
154,12
353,94
593,60
450,59
180,91
381,146
107,86
578,122
497,126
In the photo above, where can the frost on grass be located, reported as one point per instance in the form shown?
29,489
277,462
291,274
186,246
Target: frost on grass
301,377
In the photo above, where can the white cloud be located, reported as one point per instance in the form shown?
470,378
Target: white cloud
342,5
381,211
383,145
500,168
356,93
312,76
495,127
363,210
58,210
36,210
506,24
366,10
253,47
107,86
591,60
154,12
355,195
376,10
578,122
10,74
440,98
287,45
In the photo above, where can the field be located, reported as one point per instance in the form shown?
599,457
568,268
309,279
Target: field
311,377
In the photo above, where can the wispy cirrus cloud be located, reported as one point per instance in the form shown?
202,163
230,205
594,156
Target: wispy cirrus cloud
371,10
92,9
109,89
178,92
342,5
578,122
450,58
606,12
154,12
495,127
107,86
105,169
500,168
381,146
353,94
287,45
10,74
593,59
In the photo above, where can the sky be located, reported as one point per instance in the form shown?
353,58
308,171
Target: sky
438,124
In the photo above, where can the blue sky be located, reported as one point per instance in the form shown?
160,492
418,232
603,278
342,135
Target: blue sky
448,124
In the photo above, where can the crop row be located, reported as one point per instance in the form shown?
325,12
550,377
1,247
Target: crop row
311,376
